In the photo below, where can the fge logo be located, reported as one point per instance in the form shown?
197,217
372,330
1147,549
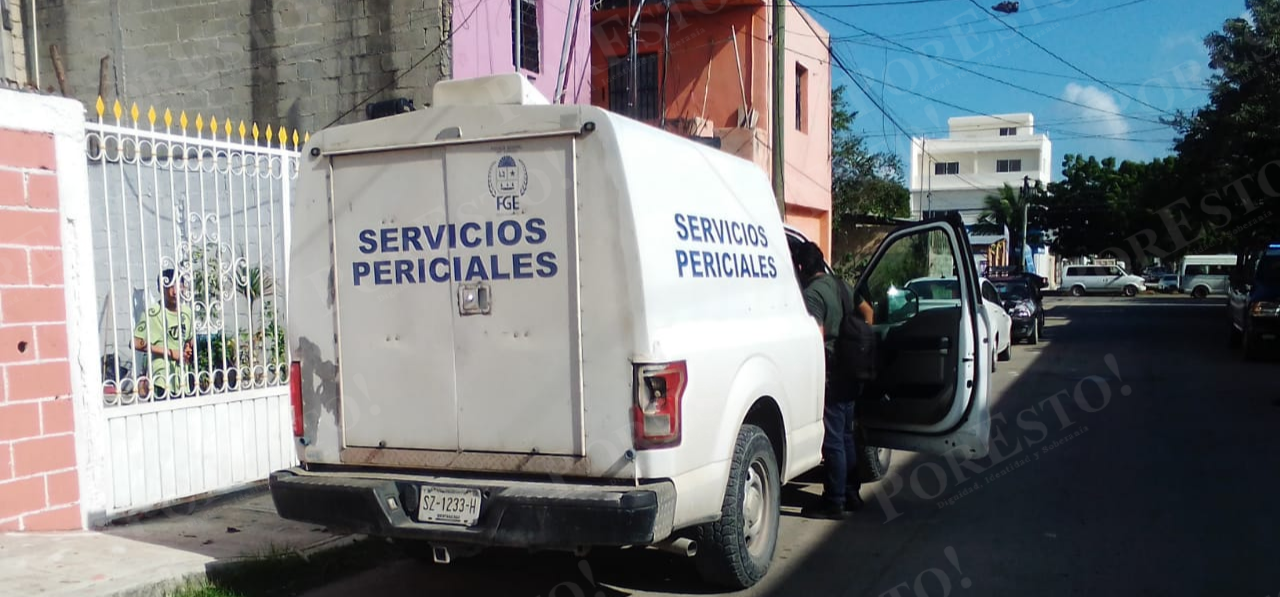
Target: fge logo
508,181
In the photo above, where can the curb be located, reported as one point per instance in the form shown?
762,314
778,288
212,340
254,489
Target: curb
192,575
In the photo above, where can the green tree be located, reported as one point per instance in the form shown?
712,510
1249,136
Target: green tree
862,181
1092,207
1229,141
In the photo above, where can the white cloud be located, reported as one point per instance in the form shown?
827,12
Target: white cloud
1103,118
1173,41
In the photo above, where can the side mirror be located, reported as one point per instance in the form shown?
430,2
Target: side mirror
903,304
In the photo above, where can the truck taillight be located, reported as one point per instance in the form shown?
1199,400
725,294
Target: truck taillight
656,413
295,396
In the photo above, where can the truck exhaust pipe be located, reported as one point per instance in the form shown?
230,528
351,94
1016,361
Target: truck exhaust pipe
682,547
440,554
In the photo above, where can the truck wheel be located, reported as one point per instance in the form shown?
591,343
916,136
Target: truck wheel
873,461
1077,291
1200,292
1131,290
736,550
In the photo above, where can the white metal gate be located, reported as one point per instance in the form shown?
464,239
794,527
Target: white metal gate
194,386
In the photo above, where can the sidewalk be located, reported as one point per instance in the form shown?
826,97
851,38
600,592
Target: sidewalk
151,557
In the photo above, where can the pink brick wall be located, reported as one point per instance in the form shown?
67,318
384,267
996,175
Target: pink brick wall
39,483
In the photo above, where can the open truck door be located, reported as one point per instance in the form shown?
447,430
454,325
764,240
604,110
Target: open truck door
933,375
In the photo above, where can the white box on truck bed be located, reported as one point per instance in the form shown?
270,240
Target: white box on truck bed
546,326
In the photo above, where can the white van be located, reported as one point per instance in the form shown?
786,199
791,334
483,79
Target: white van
552,327
1203,275
1079,279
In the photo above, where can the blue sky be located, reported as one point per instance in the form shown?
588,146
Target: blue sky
1149,49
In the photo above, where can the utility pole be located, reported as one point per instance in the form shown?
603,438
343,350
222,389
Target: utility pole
1026,206
778,122
633,97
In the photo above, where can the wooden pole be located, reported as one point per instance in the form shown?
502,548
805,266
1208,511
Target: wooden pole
103,67
59,70
779,121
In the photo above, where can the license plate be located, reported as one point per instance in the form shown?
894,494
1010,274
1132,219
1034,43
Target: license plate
449,505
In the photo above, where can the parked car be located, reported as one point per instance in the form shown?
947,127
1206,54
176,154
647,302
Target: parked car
1081,279
1023,301
544,346
1153,275
1169,283
1253,300
1203,275
937,293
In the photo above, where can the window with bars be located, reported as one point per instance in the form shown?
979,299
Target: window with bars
1008,165
1008,131
942,168
802,98
647,104
526,42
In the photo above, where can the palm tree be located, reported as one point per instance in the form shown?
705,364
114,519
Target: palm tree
1006,209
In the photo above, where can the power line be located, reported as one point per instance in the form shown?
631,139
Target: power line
443,41
835,58
916,34
1024,70
978,73
882,3
1064,60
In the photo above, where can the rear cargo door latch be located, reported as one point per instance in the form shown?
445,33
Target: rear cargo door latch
475,298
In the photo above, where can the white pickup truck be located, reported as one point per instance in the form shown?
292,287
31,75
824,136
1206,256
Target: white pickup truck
549,326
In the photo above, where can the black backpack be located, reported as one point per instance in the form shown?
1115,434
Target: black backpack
855,357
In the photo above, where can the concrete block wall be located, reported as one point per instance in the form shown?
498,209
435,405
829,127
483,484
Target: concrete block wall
13,42
297,63
39,481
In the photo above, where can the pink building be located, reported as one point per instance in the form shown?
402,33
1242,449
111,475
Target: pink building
486,34
706,72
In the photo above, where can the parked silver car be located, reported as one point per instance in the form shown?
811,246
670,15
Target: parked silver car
1080,279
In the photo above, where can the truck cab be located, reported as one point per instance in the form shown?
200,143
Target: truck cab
544,326
1253,300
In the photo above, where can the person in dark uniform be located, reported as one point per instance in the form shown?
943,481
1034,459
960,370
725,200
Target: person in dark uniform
840,489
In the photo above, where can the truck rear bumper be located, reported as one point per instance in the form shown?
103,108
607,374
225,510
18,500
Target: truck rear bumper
512,514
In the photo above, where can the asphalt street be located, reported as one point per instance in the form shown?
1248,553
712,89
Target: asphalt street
1134,454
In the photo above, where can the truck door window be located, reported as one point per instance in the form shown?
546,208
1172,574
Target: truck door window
916,273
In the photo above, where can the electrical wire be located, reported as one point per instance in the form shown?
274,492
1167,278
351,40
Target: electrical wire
918,34
976,72
1064,60
1025,70
402,74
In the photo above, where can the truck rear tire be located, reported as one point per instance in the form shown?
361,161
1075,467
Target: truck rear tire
737,550
873,461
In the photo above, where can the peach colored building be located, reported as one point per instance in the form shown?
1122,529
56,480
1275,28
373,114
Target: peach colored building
705,71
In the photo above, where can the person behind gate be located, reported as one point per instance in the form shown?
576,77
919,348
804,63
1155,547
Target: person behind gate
822,298
166,335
